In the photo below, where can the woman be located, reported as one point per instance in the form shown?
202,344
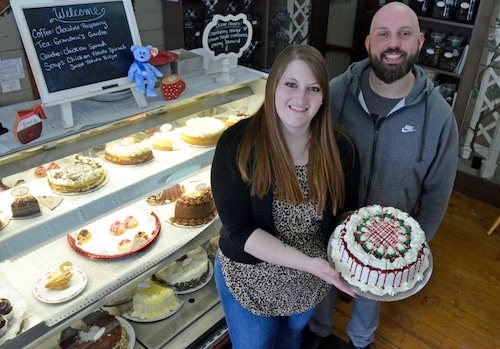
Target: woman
278,185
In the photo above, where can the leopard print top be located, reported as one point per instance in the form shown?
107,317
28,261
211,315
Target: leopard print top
271,290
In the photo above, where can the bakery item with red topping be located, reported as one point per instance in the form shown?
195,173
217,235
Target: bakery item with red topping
117,228
124,245
40,171
131,222
380,249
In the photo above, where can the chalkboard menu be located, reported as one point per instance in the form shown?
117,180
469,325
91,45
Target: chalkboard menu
77,47
227,36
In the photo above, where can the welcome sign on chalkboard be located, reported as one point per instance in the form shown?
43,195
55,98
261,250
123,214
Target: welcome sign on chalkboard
77,48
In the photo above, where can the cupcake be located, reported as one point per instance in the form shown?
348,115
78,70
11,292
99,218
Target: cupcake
3,325
6,308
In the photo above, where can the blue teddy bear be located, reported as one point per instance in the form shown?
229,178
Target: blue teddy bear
141,70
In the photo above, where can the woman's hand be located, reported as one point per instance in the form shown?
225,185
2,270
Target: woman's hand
322,269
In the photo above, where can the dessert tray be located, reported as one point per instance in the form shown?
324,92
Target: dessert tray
128,315
387,297
19,306
45,295
104,245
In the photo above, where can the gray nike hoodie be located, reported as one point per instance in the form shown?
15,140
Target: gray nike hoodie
408,159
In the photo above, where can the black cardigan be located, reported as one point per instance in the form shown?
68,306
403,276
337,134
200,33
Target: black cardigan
241,214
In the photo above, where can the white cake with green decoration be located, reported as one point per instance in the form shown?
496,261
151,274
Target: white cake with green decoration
381,250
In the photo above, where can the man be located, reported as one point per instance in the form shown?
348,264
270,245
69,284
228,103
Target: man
407,139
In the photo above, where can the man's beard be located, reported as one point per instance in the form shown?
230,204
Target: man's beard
389,73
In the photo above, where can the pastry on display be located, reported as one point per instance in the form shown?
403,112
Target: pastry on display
166,196
202,131
40,171
82,175
117,228
83,236
127,152
233,119
6,309
3,325
24,204
60,279
125,245
162,141
96,331
188,273
381,250
213,246
131,222
153,302
194,208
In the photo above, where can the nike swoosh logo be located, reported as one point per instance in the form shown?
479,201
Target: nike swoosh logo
408,128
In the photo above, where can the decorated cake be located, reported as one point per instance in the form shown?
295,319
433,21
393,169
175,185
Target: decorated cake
202,131
24,204
153,302
84,174
186,274
195,208
381,250
127,152
166,196
98,330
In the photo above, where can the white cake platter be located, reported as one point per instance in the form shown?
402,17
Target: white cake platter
59,296
387,297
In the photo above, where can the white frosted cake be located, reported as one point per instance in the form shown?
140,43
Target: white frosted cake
380,249
84,174
187,273
153,302
204,131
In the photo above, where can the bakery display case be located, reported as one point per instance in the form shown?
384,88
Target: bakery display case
34,245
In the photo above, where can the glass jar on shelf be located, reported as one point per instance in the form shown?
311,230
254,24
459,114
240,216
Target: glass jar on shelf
429,55
466,11
421,7
443,9
450,54
448,90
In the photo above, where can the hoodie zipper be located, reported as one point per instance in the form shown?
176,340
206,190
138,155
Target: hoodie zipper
377,125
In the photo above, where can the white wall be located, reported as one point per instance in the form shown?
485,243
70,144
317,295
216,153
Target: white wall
149,18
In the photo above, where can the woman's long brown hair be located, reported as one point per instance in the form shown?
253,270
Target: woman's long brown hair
264,159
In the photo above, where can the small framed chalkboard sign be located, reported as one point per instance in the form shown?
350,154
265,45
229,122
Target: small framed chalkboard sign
77,48
225,37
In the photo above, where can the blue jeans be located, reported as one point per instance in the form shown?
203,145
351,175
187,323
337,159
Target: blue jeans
361,328
250,331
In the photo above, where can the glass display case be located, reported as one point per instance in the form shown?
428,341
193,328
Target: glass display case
32,246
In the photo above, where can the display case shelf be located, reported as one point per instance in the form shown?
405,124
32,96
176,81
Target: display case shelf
32,246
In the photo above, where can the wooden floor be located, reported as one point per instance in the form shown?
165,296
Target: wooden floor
460,305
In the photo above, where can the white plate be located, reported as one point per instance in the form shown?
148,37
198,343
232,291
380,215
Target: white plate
19,306
128,315
130,331
46,295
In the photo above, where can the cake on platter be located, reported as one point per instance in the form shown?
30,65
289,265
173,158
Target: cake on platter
24,204
97,330
128,152
202,131
381,250
153,302
82,175
162,141
235,118
194,208
190,272
166,196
